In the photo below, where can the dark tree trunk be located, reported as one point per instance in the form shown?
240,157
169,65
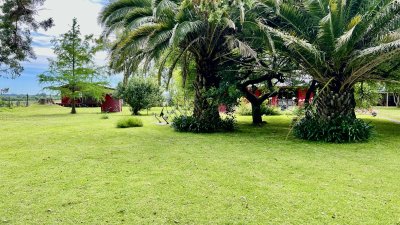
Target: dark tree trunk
256,103
206,79
256,113
135,112
73,104
311,90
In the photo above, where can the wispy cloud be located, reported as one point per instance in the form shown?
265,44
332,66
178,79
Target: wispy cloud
41,40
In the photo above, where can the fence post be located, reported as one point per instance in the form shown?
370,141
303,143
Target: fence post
27,100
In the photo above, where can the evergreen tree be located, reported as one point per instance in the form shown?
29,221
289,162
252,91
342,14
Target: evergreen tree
74,72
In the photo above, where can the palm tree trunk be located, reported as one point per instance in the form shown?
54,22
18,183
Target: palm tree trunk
332,104
205,80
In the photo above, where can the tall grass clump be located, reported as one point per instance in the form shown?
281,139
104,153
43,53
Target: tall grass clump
129,122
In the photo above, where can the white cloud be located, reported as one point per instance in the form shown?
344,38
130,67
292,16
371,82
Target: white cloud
86,12
62,12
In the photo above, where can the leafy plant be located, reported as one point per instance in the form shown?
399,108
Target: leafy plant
129,122
104,116
269,110
339,130
185,123
244,109
139,93
366,95
299,111
339,43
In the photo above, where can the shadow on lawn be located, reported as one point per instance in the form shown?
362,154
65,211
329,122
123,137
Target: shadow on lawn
281,130
385,127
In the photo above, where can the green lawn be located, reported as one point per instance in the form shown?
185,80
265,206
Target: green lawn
390,113
57,168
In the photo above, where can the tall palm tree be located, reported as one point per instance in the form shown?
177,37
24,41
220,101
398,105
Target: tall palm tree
338,42
172,30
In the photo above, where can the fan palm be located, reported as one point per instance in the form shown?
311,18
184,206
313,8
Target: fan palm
169,30
339,43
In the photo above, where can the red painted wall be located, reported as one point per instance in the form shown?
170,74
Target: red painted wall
274,101
65,101
111,104
301,96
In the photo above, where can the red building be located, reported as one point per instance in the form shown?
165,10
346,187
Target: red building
290,96
109,104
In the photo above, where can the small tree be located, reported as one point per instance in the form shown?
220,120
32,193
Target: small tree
139,94
73,72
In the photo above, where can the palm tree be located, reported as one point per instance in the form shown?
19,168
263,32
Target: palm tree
338,42
175,31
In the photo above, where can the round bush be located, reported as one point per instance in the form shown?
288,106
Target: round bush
129,122
191,124
338,130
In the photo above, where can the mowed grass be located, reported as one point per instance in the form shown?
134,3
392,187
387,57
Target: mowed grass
57,168
388,112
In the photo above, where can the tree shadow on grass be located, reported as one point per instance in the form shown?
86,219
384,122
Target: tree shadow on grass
280,129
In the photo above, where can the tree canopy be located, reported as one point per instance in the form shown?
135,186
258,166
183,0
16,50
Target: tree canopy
17,21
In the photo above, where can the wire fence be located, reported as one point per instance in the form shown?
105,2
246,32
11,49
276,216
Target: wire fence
27,100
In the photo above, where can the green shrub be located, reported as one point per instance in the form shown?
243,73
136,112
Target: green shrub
191,124
183,123
139,94
366,94
339,130
228,124
299,111
269,110
104,117
244,109
129,122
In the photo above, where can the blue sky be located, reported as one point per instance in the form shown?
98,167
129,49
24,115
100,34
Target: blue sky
62,11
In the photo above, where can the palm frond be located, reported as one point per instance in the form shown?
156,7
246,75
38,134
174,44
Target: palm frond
301,49
182,30
138,16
